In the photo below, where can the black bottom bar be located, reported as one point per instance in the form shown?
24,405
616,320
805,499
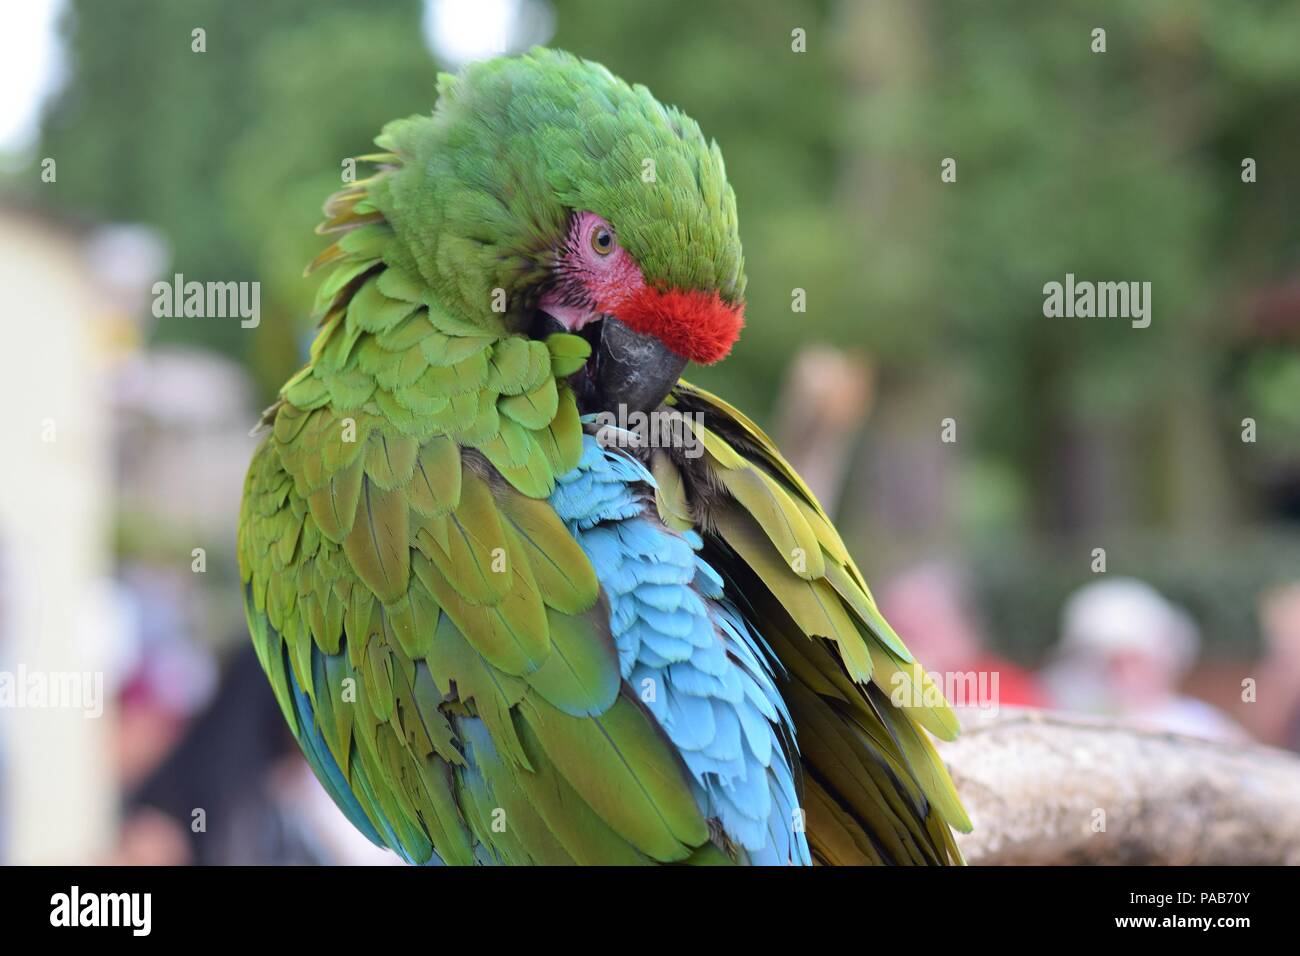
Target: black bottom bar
246,905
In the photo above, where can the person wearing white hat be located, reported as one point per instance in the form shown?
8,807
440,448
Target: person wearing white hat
1124,652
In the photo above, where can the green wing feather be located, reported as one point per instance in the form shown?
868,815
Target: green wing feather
876,789
402,566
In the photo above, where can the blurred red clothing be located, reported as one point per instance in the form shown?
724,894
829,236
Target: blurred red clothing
1017,687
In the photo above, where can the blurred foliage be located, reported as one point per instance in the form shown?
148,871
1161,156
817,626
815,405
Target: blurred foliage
1117,166
230,152
1123,165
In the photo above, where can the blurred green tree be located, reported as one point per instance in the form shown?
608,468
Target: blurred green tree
1122,165
230,152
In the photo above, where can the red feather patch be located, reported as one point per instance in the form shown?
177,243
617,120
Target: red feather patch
697,325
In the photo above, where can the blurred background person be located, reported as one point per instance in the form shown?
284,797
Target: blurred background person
1124,652
235,790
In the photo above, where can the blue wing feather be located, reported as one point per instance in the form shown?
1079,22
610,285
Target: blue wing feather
689,655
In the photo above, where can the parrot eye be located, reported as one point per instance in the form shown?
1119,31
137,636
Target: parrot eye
602,241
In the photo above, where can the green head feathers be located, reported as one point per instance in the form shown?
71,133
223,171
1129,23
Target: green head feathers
486,185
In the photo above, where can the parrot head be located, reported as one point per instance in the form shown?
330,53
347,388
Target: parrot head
595,208
642,332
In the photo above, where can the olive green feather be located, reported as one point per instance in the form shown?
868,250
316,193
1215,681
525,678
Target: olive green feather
882,702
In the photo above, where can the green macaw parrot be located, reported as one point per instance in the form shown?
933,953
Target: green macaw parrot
504,623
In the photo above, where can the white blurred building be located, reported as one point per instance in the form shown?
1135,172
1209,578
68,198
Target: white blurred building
61,333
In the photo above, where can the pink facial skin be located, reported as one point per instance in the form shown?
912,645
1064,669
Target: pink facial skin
589,284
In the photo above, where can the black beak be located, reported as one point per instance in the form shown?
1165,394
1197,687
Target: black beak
625,368
633,370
